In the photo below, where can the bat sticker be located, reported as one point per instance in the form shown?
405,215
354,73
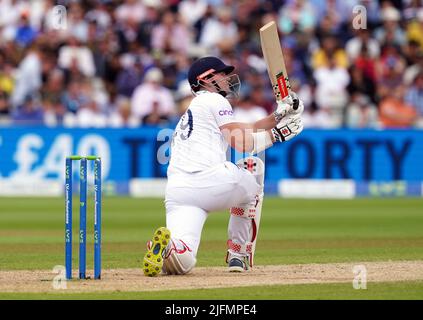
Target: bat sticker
283,88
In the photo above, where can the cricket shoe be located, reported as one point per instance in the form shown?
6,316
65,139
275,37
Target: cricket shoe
153,259
237,264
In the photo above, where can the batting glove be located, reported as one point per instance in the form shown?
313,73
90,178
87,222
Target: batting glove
288,128
291,104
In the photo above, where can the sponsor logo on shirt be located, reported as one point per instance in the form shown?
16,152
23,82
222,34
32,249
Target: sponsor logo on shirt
226,112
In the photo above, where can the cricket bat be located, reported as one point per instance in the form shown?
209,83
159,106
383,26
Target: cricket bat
272,53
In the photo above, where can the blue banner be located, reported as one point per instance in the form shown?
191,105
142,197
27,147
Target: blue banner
364,155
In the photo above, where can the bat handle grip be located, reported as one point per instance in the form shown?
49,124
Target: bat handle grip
295,100
296,104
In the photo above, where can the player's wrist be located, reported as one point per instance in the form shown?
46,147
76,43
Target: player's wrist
278,116
262,140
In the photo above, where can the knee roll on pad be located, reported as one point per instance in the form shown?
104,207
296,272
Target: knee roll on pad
178,258
255,165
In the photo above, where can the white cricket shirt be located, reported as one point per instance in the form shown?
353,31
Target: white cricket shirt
197,142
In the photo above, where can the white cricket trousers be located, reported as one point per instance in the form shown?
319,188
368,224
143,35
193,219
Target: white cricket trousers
191,196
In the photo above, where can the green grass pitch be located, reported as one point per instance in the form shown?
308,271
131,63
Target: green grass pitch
291,231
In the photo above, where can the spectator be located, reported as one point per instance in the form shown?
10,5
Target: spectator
361,113
414,97
76,24
412,71
155,117
361,84
373,12
327,26
331,93
89,115
390,69
51,95
25,34
329,50
182,64
415,29
258,98
390,32
198,27
394,112
133,10
29,113
412,9
130,76
6,76
10,14
151,97
74,97
120,116
170,35
76,55
28,75
54,113
147,25
51,92
412,52
366,64
318,118
297,15
103,53
354,47
4,105
127,33
100,15
220,32
340,9
192,10
294,67
246,111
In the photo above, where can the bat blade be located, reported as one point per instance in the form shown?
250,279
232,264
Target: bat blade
272,53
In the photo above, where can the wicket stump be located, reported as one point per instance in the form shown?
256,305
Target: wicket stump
83,215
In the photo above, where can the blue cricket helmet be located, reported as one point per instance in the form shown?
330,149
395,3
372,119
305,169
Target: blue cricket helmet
205,66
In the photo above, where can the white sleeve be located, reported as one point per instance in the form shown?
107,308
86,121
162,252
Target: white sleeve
221,109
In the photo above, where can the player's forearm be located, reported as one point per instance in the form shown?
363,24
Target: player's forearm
251,141
239,136
266,123
244,137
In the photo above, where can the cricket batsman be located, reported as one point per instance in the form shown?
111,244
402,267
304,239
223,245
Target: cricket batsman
201,181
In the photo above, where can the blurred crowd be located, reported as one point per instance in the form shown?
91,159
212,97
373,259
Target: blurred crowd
106,63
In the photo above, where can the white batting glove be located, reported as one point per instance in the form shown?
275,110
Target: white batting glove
288,128
291,104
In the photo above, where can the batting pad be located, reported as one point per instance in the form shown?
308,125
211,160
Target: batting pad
251,211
